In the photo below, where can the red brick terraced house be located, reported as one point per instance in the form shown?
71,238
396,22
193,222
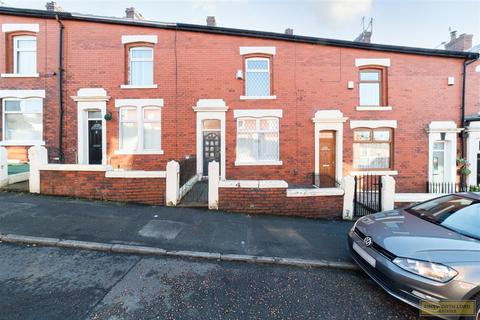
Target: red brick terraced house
287,117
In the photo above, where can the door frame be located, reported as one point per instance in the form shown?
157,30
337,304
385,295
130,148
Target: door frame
88,134
211,109
329,120
90,99
334,150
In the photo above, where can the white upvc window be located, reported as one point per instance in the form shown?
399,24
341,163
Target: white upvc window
140,129
24,55
140,66
257,77
23,120
257,140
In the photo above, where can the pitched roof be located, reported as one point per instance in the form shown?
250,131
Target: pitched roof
238,32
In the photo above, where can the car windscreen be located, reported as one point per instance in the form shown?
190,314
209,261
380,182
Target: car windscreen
453,212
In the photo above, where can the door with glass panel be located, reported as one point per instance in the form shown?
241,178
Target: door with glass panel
211,143
95,137
438,161
327,159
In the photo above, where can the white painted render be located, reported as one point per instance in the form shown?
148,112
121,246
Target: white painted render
258,113
13,27
373,124
473,148
139,38
260,184
211,109
329,120
90,99
22,94
372,62
435,130
261,50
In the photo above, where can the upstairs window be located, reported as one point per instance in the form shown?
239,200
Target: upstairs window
372,87
24,55
140,66
372,149
23,120
257,140
257,77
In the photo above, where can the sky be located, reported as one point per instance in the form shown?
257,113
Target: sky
418,23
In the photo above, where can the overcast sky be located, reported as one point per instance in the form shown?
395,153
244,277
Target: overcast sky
420,23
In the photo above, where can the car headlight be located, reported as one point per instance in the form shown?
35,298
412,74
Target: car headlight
430,270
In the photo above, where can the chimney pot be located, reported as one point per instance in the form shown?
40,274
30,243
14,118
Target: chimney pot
132,13
211,21
289,31
53,6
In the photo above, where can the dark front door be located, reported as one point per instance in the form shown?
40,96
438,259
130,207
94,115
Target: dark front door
211,149
327,159
95,141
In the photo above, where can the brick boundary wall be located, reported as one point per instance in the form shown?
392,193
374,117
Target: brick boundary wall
275,201
94,185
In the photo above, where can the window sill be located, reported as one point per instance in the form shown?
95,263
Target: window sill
258,97
139,152
374,108
14,143
19,75
258,163
130,86
375,172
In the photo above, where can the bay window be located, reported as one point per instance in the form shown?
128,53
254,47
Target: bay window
24,55
372,148
257,140
22,120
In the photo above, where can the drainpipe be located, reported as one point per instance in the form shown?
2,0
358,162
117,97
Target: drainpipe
463,123
60,90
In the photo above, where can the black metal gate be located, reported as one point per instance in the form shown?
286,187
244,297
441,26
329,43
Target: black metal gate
367,198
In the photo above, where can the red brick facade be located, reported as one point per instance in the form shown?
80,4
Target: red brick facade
94,185
275,201
189,66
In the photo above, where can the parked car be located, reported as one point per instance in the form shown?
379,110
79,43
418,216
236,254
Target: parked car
428,251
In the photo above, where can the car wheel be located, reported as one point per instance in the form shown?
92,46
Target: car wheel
476,298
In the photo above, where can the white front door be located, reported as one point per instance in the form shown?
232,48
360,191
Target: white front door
438,161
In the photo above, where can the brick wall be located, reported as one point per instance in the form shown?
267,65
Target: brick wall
94,185
274,201
193,65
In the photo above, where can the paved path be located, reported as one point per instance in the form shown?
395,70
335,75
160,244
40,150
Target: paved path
54,283
173,228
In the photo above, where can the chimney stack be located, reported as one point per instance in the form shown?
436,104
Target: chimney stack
53,6
289,31
461,43
211,21
132,13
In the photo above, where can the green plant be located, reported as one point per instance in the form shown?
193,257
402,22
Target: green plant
464,166
474,188
108,116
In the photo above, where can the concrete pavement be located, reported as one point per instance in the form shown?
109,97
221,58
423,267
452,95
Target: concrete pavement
180,231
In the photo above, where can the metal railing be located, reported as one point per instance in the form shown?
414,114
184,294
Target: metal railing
450,187
188,169
368,195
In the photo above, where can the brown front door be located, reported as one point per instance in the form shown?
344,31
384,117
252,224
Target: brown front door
327,159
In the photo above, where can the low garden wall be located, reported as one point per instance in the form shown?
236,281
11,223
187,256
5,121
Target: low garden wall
142,187
275,198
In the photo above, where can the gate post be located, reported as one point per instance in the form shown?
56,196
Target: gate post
388,193
348,185
37,156
172,183
3,166
213,180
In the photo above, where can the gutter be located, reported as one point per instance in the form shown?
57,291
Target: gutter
239,32
60,90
